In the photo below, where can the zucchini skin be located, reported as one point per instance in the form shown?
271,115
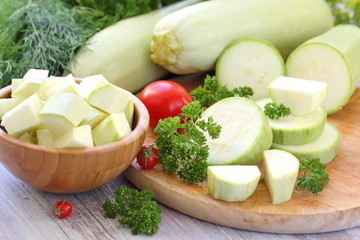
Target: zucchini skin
342,41
230,136
191,39
121,51
326,151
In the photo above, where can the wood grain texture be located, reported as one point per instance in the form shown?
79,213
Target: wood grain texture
335,208
72,170
26,213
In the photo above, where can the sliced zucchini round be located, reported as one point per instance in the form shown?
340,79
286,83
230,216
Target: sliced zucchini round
325,147
297,130
332,57
245,132
249,62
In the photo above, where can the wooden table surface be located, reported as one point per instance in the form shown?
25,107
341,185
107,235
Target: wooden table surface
26,214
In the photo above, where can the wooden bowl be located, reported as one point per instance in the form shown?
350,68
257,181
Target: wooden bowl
72,170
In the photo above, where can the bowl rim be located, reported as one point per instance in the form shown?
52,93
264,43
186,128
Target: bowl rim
142,125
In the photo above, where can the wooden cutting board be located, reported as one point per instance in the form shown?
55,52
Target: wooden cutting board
336,207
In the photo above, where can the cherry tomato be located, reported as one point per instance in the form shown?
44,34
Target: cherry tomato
164,99
62,209
147,157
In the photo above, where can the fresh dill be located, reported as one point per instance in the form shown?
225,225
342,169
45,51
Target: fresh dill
39,34
46,34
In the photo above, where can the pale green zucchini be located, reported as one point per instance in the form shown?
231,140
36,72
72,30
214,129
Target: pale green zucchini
250,62
121,52
300,95
325,147
191,39
332,57
232,183
245,132
281,169
297,130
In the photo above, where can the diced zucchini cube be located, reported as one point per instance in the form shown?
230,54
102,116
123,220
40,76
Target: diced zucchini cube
111,129
100,98
280,173
63,111
89,84
44,138
94,117
300,95
232,183
23,117
77,137
6,104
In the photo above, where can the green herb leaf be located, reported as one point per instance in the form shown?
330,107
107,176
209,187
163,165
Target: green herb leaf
345,11
314,176
181,143
39,34
45,34
211,92
136,208
276,111
103,13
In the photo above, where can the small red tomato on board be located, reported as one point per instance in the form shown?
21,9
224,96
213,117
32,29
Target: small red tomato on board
62,209
148,157
164,99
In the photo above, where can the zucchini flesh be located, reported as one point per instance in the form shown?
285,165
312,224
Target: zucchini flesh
121,51
325,147
232,183
280,172
191,39
23,117
250,62
332,57
245,132
300,95
297,130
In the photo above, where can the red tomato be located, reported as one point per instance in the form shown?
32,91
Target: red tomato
164,99
62,209
147,157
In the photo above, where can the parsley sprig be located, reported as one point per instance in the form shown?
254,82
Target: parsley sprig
212,92
181,143
136,208
314,176
276,111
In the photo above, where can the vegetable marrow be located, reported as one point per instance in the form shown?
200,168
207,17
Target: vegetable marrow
121,51
297,130
332,57
245,132
232,183
249,62
300,95
191,39
280,172
325,147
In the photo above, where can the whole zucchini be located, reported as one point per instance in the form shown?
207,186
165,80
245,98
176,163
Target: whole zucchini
121,51
332,57
191,39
